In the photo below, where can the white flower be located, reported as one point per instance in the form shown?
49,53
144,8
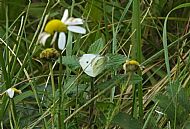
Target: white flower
61,26
10,92
92,64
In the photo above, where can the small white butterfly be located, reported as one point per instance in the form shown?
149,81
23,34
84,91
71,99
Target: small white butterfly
92,64
10,92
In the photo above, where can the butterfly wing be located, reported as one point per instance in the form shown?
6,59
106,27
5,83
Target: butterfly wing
86,63
98,65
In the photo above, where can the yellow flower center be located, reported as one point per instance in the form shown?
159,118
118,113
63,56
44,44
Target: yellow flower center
55,25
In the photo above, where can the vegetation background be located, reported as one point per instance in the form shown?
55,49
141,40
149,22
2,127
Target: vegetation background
57,94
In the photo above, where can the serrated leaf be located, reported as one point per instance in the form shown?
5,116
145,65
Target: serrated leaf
125,121
96,47
172,89
183,98
70,61
115,61
136,79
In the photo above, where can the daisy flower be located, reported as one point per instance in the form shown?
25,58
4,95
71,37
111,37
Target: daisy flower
62,26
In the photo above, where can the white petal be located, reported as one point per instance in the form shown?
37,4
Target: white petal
10,92
77,29
61,41
74,21
54,38
43,37
65,15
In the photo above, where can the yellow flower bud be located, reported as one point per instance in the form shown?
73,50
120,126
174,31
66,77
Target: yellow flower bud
131,66
49,54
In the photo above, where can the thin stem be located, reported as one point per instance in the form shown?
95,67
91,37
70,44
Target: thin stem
91,109
53,92
60,108
114,48
134,104
52,79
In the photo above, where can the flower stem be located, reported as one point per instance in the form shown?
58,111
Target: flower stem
60,108
137,53
92,106
53,93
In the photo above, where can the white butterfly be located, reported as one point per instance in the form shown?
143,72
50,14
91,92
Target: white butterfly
92,64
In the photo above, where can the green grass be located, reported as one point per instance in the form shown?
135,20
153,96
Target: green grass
58,94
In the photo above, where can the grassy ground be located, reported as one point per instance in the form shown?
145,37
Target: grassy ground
142,82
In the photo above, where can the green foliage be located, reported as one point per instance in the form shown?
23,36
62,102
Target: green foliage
22,96
13,9
93,9
126,121
175,104
59,94
70,61
96,47
115,61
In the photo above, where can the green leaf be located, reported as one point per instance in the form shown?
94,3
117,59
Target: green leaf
167,105
136,79
173,88
125,121
22,96
115,61
183,98
37,9
96,47
70,61
93,10
172,109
